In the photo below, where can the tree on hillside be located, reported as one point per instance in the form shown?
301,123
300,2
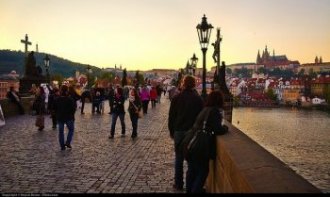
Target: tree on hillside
270,94
108,76
229,71
139,79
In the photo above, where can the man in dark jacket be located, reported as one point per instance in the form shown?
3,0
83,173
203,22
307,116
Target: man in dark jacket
14,97
65,108
184,109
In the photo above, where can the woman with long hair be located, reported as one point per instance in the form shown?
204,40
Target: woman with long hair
198,165
134,106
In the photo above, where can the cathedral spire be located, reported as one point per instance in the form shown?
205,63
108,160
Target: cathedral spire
258,58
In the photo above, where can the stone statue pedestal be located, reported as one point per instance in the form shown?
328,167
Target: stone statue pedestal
26,84
32,75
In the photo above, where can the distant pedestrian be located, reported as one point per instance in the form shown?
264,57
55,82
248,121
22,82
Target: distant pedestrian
111,97
85,94
40,108
198,165
15,98
184,108
54,94
118,111
65,108
134,106
159,92
145,98
153,96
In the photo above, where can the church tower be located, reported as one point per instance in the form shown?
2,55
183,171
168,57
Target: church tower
258,58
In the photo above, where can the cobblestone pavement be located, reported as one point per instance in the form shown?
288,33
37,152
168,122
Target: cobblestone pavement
31,161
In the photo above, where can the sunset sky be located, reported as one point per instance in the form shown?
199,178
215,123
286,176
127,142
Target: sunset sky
146,34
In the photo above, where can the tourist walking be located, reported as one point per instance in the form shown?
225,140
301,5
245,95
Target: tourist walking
65,107
111,97
145,98
14,97
118,111
198,165
159,92
184,108
40,108
54,94
134,107
153,96
85,94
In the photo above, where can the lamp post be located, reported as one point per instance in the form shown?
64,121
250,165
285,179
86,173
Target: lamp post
194,61
46,64
204,32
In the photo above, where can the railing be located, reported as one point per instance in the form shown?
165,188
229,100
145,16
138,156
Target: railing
243,166
11,109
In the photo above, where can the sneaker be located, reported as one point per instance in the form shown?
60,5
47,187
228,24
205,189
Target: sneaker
68,145
63,148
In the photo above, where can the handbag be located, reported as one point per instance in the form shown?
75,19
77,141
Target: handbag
40,121
196,141
139,112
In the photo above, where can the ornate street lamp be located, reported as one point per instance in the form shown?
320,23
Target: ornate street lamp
188,68
204,32
46,64
194,61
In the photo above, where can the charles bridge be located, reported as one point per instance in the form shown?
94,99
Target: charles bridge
32,162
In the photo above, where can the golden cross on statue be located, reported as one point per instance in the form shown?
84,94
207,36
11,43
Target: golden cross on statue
26,42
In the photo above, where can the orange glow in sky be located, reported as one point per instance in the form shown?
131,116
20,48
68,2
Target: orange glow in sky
146,34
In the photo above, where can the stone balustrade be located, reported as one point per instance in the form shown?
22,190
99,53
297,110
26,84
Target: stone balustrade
11,109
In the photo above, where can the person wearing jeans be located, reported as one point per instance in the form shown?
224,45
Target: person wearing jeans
70,125
118,111
184,108
65,107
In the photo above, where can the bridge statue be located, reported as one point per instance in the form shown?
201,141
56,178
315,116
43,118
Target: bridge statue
31,70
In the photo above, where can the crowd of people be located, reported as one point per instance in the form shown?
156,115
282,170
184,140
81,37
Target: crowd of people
61,104
186,108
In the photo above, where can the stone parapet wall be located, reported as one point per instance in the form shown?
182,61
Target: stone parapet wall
11,109
243,166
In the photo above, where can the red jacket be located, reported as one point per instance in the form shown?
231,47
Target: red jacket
153,94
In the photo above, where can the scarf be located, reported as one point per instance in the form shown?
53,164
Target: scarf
131,98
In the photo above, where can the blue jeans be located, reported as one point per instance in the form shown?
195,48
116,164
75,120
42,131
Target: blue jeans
196,175
114,120
179,159
70,125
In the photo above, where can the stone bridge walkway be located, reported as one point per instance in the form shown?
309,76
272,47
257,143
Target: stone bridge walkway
31,160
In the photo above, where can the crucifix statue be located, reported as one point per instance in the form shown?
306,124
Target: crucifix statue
26,42
216,45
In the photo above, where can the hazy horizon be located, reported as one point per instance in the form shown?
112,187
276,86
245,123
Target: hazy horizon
153,34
